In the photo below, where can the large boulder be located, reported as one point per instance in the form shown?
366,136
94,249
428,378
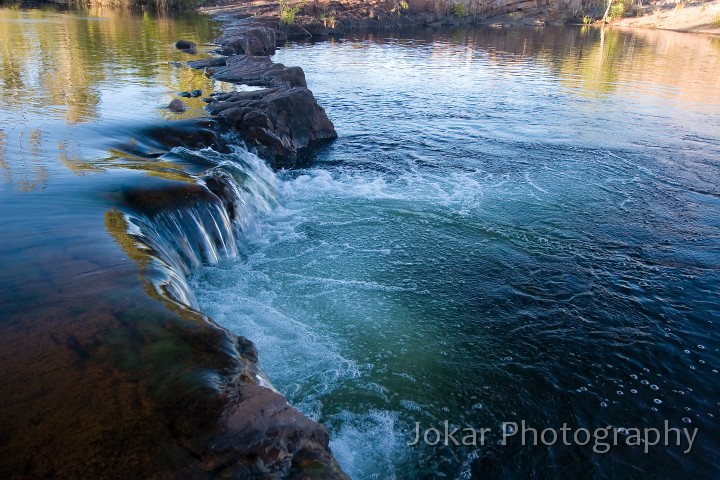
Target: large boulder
253,40
278,121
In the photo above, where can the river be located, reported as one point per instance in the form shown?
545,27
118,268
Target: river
513,225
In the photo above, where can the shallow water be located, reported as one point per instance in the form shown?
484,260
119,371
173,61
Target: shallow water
514,225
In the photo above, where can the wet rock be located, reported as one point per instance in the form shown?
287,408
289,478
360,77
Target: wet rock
185,94
338,30
258,71
253,40
186,46
296,32
278,121
271,439
316,29
208,63
177,105
282,118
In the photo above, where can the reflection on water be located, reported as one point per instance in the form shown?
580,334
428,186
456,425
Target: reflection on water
62,71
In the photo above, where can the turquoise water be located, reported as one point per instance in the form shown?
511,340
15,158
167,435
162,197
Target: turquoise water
513,225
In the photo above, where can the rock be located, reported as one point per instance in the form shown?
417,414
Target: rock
282,118
195,93
185,94
275,439
316,29
208,63
186,46
259,71
177,105
252,41
296,32
337,31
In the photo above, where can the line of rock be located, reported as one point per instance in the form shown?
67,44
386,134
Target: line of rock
279,119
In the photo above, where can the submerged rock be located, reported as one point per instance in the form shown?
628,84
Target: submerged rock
177,105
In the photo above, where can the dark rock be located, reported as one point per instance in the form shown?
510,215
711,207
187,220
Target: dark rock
177,105
278,120
316,29
275,439
186,46
296,32
252,40
195,93
259,71
256,118
207,63
185,94
338,30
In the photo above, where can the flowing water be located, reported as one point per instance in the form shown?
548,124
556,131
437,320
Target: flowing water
514,225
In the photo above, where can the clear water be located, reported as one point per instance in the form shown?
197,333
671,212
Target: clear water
513,225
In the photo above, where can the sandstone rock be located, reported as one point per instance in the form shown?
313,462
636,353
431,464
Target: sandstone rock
271,439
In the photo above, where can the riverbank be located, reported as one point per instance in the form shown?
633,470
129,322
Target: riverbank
691,17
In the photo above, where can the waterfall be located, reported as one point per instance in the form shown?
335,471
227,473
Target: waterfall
204,228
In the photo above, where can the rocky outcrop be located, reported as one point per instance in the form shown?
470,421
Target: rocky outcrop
264,437
278,120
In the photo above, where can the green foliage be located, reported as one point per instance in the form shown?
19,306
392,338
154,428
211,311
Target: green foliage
587,20
400,6
328,18
459,9
716,21
288,11
619,8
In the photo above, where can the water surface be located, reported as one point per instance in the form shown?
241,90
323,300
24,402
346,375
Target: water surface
517,224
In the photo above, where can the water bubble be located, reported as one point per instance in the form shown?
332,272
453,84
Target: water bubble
701,361
603,404
620,392
692,368
657,400
654,409
715,370
583,389
633,391
623,431
687,409
701,347
686,351
644,382
509,429
654,387
634,377
686,420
